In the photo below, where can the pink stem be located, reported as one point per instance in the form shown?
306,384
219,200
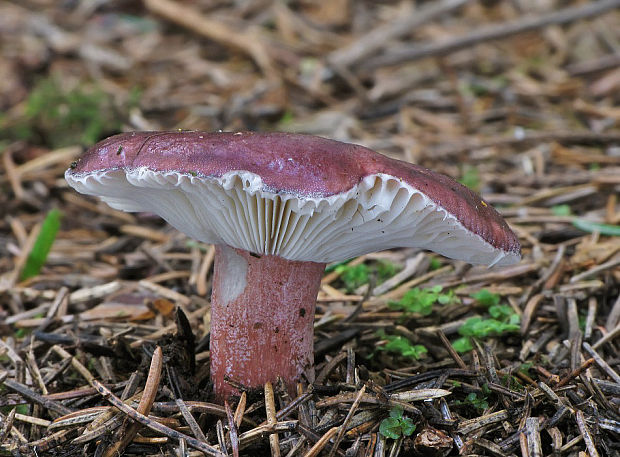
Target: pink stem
262,316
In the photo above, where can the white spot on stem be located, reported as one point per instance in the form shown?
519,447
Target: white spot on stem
233,266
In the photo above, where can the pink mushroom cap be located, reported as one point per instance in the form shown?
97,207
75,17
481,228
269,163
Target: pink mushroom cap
338,192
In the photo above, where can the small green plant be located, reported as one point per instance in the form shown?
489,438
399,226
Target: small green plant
479,327
396,425
512,382
333,266
354,276
470,177
462,344
504,320
478,401
503,312
385,270
435,264
486,298
42,245
19,409
561,210
191,244
582,319
400,345
287,118
421,301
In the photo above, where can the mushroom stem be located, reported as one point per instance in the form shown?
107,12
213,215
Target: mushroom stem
262,315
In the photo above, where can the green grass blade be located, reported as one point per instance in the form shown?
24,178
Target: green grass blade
42,245
603,229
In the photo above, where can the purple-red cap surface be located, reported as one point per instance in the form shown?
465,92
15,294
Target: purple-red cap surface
297,196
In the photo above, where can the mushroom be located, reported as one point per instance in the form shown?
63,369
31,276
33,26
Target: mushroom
279,207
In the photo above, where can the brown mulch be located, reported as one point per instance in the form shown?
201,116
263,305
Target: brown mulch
106,350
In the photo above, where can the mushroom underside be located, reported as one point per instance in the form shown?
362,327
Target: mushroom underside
237,210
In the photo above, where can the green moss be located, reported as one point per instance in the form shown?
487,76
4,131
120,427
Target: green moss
56,116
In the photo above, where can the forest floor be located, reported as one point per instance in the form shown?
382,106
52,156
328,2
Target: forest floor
415,354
